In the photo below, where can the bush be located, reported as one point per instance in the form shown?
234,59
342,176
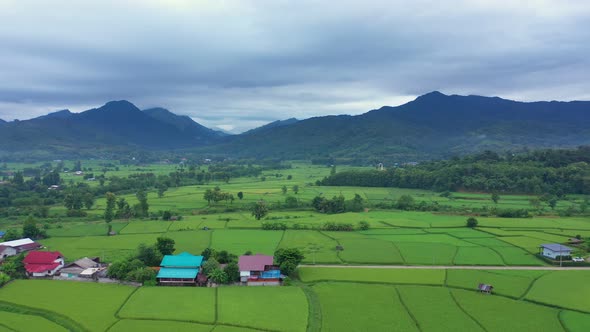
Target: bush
471,222
363,226
274,226
334,227
288,267
510,213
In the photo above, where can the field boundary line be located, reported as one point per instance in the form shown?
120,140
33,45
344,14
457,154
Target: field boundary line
122,228
450,267
528,289
337,242
561,322
57,318
491,248
281,240
465,311
314,310
114,323
198,322
125,302
405,306
168,228
404,262
7,327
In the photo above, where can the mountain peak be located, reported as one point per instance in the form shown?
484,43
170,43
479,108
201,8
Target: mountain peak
432,95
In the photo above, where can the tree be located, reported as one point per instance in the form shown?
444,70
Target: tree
405,202
210,265
149,255
142,275
495,197
31,230
218,276
240,195
13,266
161,190
295,189
288,254
552,202
471,222
536,203
18,179
233,272
259,210
88,200
165,245
363,225
288,267
284,190
289,177
356,204
208,253
291,202
143,203
224,257
333,170
109,211
11,234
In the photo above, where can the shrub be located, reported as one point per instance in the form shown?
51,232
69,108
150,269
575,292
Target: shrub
471,222
274,226
363,225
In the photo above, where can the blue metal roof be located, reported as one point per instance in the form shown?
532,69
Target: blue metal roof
2,233
182,260
556,247
167,272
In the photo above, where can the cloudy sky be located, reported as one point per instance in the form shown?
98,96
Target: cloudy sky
240,64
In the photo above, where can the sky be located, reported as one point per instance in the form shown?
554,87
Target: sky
236,65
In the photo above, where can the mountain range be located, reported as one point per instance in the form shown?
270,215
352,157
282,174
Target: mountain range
433,125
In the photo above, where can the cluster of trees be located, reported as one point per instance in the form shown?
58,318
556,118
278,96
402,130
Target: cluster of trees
216,195
328,226
557,172
212,267
287,259
337,204
123,209
30,230
136,268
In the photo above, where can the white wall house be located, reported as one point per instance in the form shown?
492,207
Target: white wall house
554,250
6,251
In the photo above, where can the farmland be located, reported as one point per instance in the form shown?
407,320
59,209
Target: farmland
340,298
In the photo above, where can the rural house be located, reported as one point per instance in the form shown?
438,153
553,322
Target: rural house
259,270
43,263
82,268
21,245
181,269
6,251
554,250
2,233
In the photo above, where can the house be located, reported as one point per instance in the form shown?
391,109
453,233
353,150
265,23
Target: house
555,250
2,233
22,245
181,269
259,270
485,288
43,263
82,268
6,251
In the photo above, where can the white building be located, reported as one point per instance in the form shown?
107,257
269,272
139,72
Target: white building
554,250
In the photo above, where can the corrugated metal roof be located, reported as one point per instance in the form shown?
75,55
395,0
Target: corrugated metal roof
254,262
556,247
16,243
182,260
42,257
167,272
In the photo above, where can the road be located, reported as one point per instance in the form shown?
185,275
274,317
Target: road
451,267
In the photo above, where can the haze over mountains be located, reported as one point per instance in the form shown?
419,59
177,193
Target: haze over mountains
432,126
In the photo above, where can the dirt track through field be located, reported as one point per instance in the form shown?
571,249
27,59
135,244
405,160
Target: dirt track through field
451,267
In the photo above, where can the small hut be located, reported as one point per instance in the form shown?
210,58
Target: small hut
485,288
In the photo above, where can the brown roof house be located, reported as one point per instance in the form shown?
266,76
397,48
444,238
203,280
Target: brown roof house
17,246
83,268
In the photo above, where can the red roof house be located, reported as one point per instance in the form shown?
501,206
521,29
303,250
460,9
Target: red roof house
43,263
258,270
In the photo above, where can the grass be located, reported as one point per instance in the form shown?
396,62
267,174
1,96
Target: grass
147,226
72,229
17,321
369,251
190,241
435,309
389,276
173,303
92,305
575,321
272,308
497,313
315,246
567,289
477,256
358,307
125,325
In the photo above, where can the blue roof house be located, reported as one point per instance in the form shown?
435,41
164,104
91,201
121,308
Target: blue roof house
181,269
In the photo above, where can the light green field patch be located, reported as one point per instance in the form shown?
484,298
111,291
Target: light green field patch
227,328
505,284
239,241
515,315
462,233
190,241
195,304
527,243
90,304
435,309
147,226
19,322
427,253
188,223
575,321
126,325
367,251
426,238
477,256
517,256
274,308
80,229
566,289
490,242
377,275
358,307
393,231
316,247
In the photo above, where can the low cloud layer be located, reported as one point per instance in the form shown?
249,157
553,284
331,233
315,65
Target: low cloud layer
239,64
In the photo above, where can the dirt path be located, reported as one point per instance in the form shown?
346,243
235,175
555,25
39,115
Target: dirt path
451,267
